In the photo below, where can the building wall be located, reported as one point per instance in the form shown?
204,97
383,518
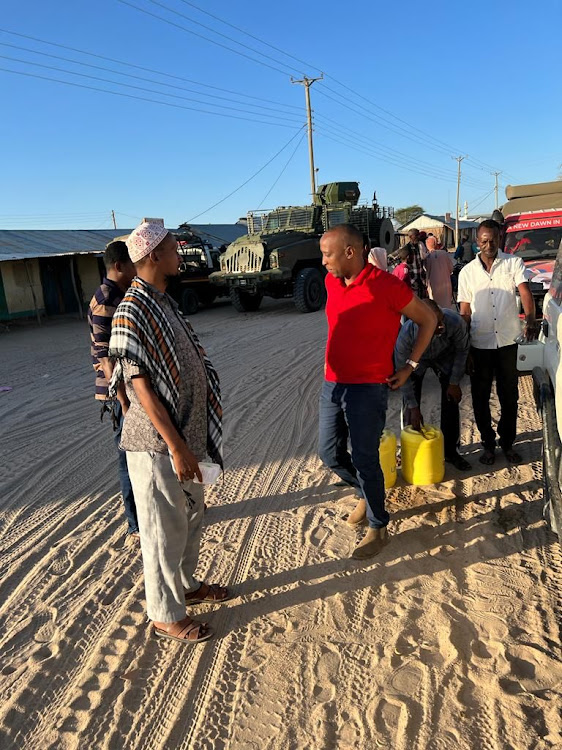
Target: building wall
88,272
17,290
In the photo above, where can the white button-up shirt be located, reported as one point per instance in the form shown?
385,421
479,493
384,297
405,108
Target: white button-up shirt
492,298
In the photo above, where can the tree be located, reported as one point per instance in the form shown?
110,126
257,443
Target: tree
405,215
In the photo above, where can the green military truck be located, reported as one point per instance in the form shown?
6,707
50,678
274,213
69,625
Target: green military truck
280,256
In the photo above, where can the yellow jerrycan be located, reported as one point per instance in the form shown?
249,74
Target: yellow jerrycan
423,455
387,457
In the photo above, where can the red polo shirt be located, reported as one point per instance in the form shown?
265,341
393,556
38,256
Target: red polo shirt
363,323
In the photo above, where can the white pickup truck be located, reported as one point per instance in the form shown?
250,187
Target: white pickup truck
543,359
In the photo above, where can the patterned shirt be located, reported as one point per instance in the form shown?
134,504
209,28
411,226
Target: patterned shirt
418,277
445,355
100,313
139,434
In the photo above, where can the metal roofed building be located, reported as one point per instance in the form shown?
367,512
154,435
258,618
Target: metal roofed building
52,272
443,227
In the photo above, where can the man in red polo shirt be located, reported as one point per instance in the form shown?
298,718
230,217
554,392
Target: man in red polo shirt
363,310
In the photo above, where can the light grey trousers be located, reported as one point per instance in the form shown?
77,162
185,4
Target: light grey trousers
170,524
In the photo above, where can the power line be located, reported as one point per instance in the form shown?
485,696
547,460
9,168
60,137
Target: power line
147,70
247,33
226,197
201,36
214,31
289,160
142,98
364,150
132,86
427,137
130,75
386,151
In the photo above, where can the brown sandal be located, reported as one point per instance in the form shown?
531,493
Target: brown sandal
186,631
208,593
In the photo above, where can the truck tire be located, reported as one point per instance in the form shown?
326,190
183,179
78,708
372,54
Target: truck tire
310,292
244,302
189,302
207,297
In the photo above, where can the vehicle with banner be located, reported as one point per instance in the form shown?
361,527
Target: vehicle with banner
280,256
533,230
542,358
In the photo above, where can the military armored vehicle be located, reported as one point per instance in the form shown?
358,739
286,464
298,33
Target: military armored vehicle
199,259
280,256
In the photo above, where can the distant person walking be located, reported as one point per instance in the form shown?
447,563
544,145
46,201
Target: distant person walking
363,311
402,270
120,271
446,355
465,252
418,275
488,302
439,265
173,423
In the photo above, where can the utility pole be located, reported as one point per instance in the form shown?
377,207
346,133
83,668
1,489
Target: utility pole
114,222
458,159
496,175
307,83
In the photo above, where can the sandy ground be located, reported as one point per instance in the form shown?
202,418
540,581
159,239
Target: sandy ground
450,639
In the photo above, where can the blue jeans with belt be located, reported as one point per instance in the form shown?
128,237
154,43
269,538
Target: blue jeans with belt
124,480
356,411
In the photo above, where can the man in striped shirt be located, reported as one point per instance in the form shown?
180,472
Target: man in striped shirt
120,273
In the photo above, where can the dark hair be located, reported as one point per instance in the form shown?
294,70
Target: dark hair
116,252
404,253
489,224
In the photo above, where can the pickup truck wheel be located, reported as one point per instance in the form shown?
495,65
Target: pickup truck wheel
189,302
207,297
244,302
310,292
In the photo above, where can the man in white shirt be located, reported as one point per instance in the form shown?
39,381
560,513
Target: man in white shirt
487,296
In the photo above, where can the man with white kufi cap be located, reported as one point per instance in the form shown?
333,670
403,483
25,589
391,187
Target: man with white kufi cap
173,423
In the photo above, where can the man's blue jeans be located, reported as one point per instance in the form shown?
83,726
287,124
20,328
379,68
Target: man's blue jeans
125,482
357,412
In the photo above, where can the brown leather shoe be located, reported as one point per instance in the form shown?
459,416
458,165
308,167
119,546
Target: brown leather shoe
371,544
358,516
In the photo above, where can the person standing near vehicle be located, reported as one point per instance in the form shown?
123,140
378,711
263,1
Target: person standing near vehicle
439,265
173,423
363,311
120,271
446,355
487,296
418,275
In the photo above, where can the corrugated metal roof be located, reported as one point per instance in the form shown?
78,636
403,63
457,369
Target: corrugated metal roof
18,244
463,224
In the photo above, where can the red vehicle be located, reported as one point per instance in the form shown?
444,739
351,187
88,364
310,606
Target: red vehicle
533,231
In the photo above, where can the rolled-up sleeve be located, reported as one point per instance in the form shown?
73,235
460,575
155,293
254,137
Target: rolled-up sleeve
519,271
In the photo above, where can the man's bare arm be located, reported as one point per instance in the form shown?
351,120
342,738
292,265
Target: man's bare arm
107,367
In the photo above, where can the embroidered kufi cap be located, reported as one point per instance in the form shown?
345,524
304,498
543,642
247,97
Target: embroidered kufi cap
144,239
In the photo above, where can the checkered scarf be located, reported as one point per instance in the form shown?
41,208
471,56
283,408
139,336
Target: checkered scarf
141,333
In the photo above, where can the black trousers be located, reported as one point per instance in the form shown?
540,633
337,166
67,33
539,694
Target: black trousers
450,419
502,364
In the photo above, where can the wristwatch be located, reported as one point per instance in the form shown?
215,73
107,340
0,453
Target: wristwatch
412,364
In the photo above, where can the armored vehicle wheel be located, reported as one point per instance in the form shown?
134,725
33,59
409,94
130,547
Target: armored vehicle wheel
244,302
207,297
310,292
189,302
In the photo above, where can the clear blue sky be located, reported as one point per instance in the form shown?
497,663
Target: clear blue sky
480,78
